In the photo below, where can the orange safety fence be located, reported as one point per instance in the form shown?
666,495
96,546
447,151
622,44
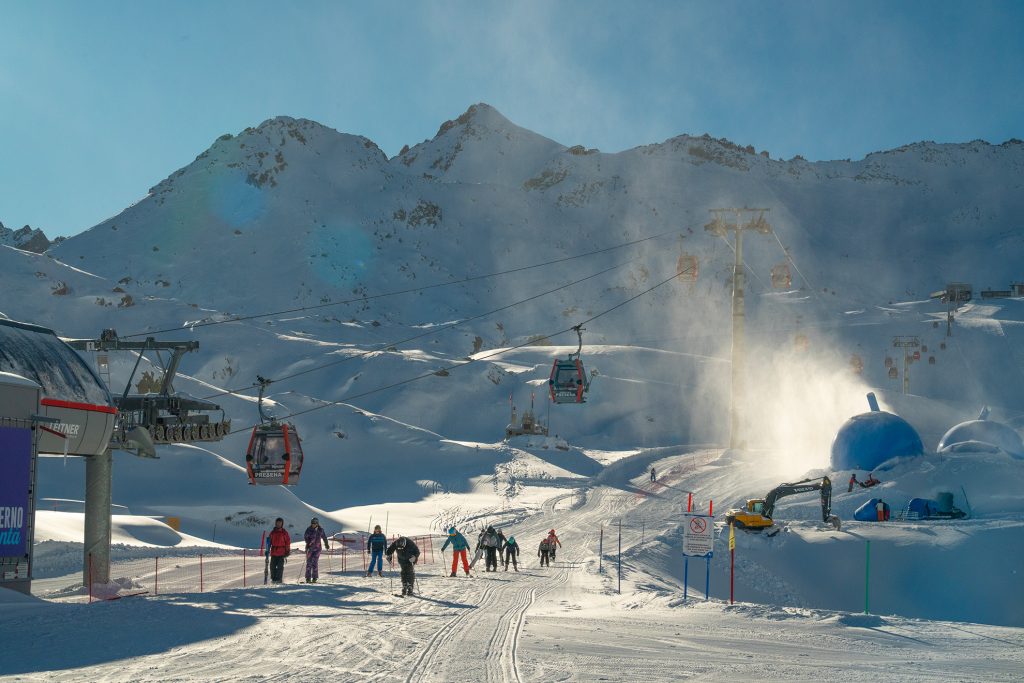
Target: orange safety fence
219,570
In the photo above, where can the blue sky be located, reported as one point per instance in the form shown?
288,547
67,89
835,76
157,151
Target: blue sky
101,100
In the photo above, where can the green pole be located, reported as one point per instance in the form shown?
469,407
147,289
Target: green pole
867,575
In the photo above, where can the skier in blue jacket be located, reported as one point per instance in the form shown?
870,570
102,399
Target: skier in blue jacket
459,547
376,543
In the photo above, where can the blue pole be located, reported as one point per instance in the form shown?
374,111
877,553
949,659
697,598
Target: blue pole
707,579
686,574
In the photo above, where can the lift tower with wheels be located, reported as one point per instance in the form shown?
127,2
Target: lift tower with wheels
144,420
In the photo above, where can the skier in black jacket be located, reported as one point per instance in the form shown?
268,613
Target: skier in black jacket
491,542
408,553
512,553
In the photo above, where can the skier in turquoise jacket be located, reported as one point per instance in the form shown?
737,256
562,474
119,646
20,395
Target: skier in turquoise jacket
459,547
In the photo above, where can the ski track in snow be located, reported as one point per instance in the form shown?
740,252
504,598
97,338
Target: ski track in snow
565,623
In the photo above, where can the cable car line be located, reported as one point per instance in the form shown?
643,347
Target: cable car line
476,359
429,332
412,290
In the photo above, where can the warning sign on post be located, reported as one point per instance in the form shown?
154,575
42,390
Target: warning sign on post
698,535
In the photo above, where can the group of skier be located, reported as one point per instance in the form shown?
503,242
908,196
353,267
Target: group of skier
495,548
279,546
492,544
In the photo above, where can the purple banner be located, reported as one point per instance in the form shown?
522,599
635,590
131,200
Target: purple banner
15,482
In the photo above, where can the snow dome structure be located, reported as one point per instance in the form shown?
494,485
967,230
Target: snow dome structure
982,435
867,440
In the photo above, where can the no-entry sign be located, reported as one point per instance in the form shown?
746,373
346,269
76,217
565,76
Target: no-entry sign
698,535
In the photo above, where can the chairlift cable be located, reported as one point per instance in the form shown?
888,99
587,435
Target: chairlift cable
429,332
412,290
473,360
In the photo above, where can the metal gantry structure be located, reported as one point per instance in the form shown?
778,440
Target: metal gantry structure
907,343
144,420
737,221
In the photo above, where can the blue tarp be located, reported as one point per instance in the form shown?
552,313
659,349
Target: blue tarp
922,507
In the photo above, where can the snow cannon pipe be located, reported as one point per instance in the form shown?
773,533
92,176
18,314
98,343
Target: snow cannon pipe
873,402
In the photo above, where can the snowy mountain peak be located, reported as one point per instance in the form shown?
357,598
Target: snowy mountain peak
478,116
27,238
266,151
481,145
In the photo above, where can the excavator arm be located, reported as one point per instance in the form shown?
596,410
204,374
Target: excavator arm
758,514
781,491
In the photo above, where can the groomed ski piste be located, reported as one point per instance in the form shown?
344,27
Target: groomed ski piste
942,597
569,622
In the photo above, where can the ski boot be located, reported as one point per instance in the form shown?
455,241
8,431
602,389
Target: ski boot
380,574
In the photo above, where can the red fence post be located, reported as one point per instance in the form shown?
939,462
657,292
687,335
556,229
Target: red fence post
200,572
156,575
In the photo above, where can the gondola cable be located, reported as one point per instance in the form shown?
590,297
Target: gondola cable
476,359
362,354
411,290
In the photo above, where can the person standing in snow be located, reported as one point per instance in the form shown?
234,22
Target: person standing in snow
375,544
491,542
553,542
460,546
542,552
880,510
511,553
279,546
408,553
654,476
853,480
313,537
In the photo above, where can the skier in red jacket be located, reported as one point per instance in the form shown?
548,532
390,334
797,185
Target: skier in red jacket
279,546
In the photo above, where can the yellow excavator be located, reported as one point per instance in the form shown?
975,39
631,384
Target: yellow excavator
757,514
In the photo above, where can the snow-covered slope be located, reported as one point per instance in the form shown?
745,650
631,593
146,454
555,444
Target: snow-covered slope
292,215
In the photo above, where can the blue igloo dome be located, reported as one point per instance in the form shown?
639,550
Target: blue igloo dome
867,440
982,432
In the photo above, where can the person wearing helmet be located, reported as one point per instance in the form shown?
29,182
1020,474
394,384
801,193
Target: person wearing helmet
313,536
553,543
544,553
511,553
408,553
279,546
375,543
460,547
